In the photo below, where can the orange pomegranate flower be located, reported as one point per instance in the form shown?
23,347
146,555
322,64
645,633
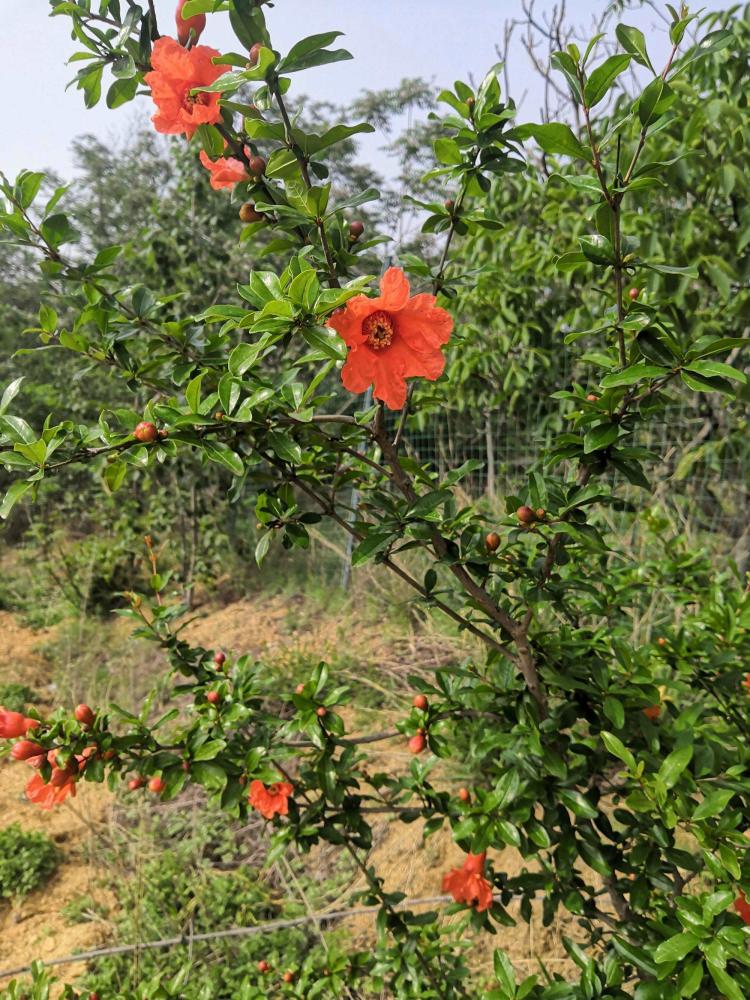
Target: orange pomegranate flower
271,801
468,884
742,907
47,796
391,338
14,724
226,171
746,682
652,712
176,71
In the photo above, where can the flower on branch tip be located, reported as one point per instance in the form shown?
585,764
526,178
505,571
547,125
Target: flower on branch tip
390,338
176,71
272,800
14,724
468,884
48,795
742,907
746,682
226,171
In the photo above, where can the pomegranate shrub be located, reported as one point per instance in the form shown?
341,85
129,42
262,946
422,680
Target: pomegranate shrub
616,766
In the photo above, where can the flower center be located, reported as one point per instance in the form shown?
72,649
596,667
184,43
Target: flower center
379,328
191,99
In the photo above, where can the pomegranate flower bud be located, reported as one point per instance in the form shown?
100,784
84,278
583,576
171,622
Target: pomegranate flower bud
26,749
13,724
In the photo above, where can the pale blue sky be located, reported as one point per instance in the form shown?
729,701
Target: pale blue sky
390,39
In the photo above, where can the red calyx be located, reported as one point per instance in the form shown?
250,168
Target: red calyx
188,27
145,432
26,749
526,515
85,716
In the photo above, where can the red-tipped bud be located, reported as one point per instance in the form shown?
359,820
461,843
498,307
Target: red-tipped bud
417,743
214,697
220,658
257,166
449,205
255,54
145,432
84,715
26,749
157,785
188,28
135,783
592,398
652,712
492,541
356,229
321,711
288,977
463,794
661,641
634,293
420,701
299,689
263,966
541,513
248,213
526,515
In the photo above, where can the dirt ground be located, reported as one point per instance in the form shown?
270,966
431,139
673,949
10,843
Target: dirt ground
38,928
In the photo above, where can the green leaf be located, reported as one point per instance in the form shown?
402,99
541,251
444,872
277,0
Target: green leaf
600,437
209,750
554,138
14,494
690,271
312,51
211,776
674,949
577,803
325,340
10,393
602,78
634,42
710,368
633,374
636,956
375,542
285,447
653,347
17,429
222,454
674,764
618,749
614,711
728,988
706,383
657,98
713,804
447,152
504,973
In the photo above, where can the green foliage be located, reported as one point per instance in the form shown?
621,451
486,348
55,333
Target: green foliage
27,860
16,697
